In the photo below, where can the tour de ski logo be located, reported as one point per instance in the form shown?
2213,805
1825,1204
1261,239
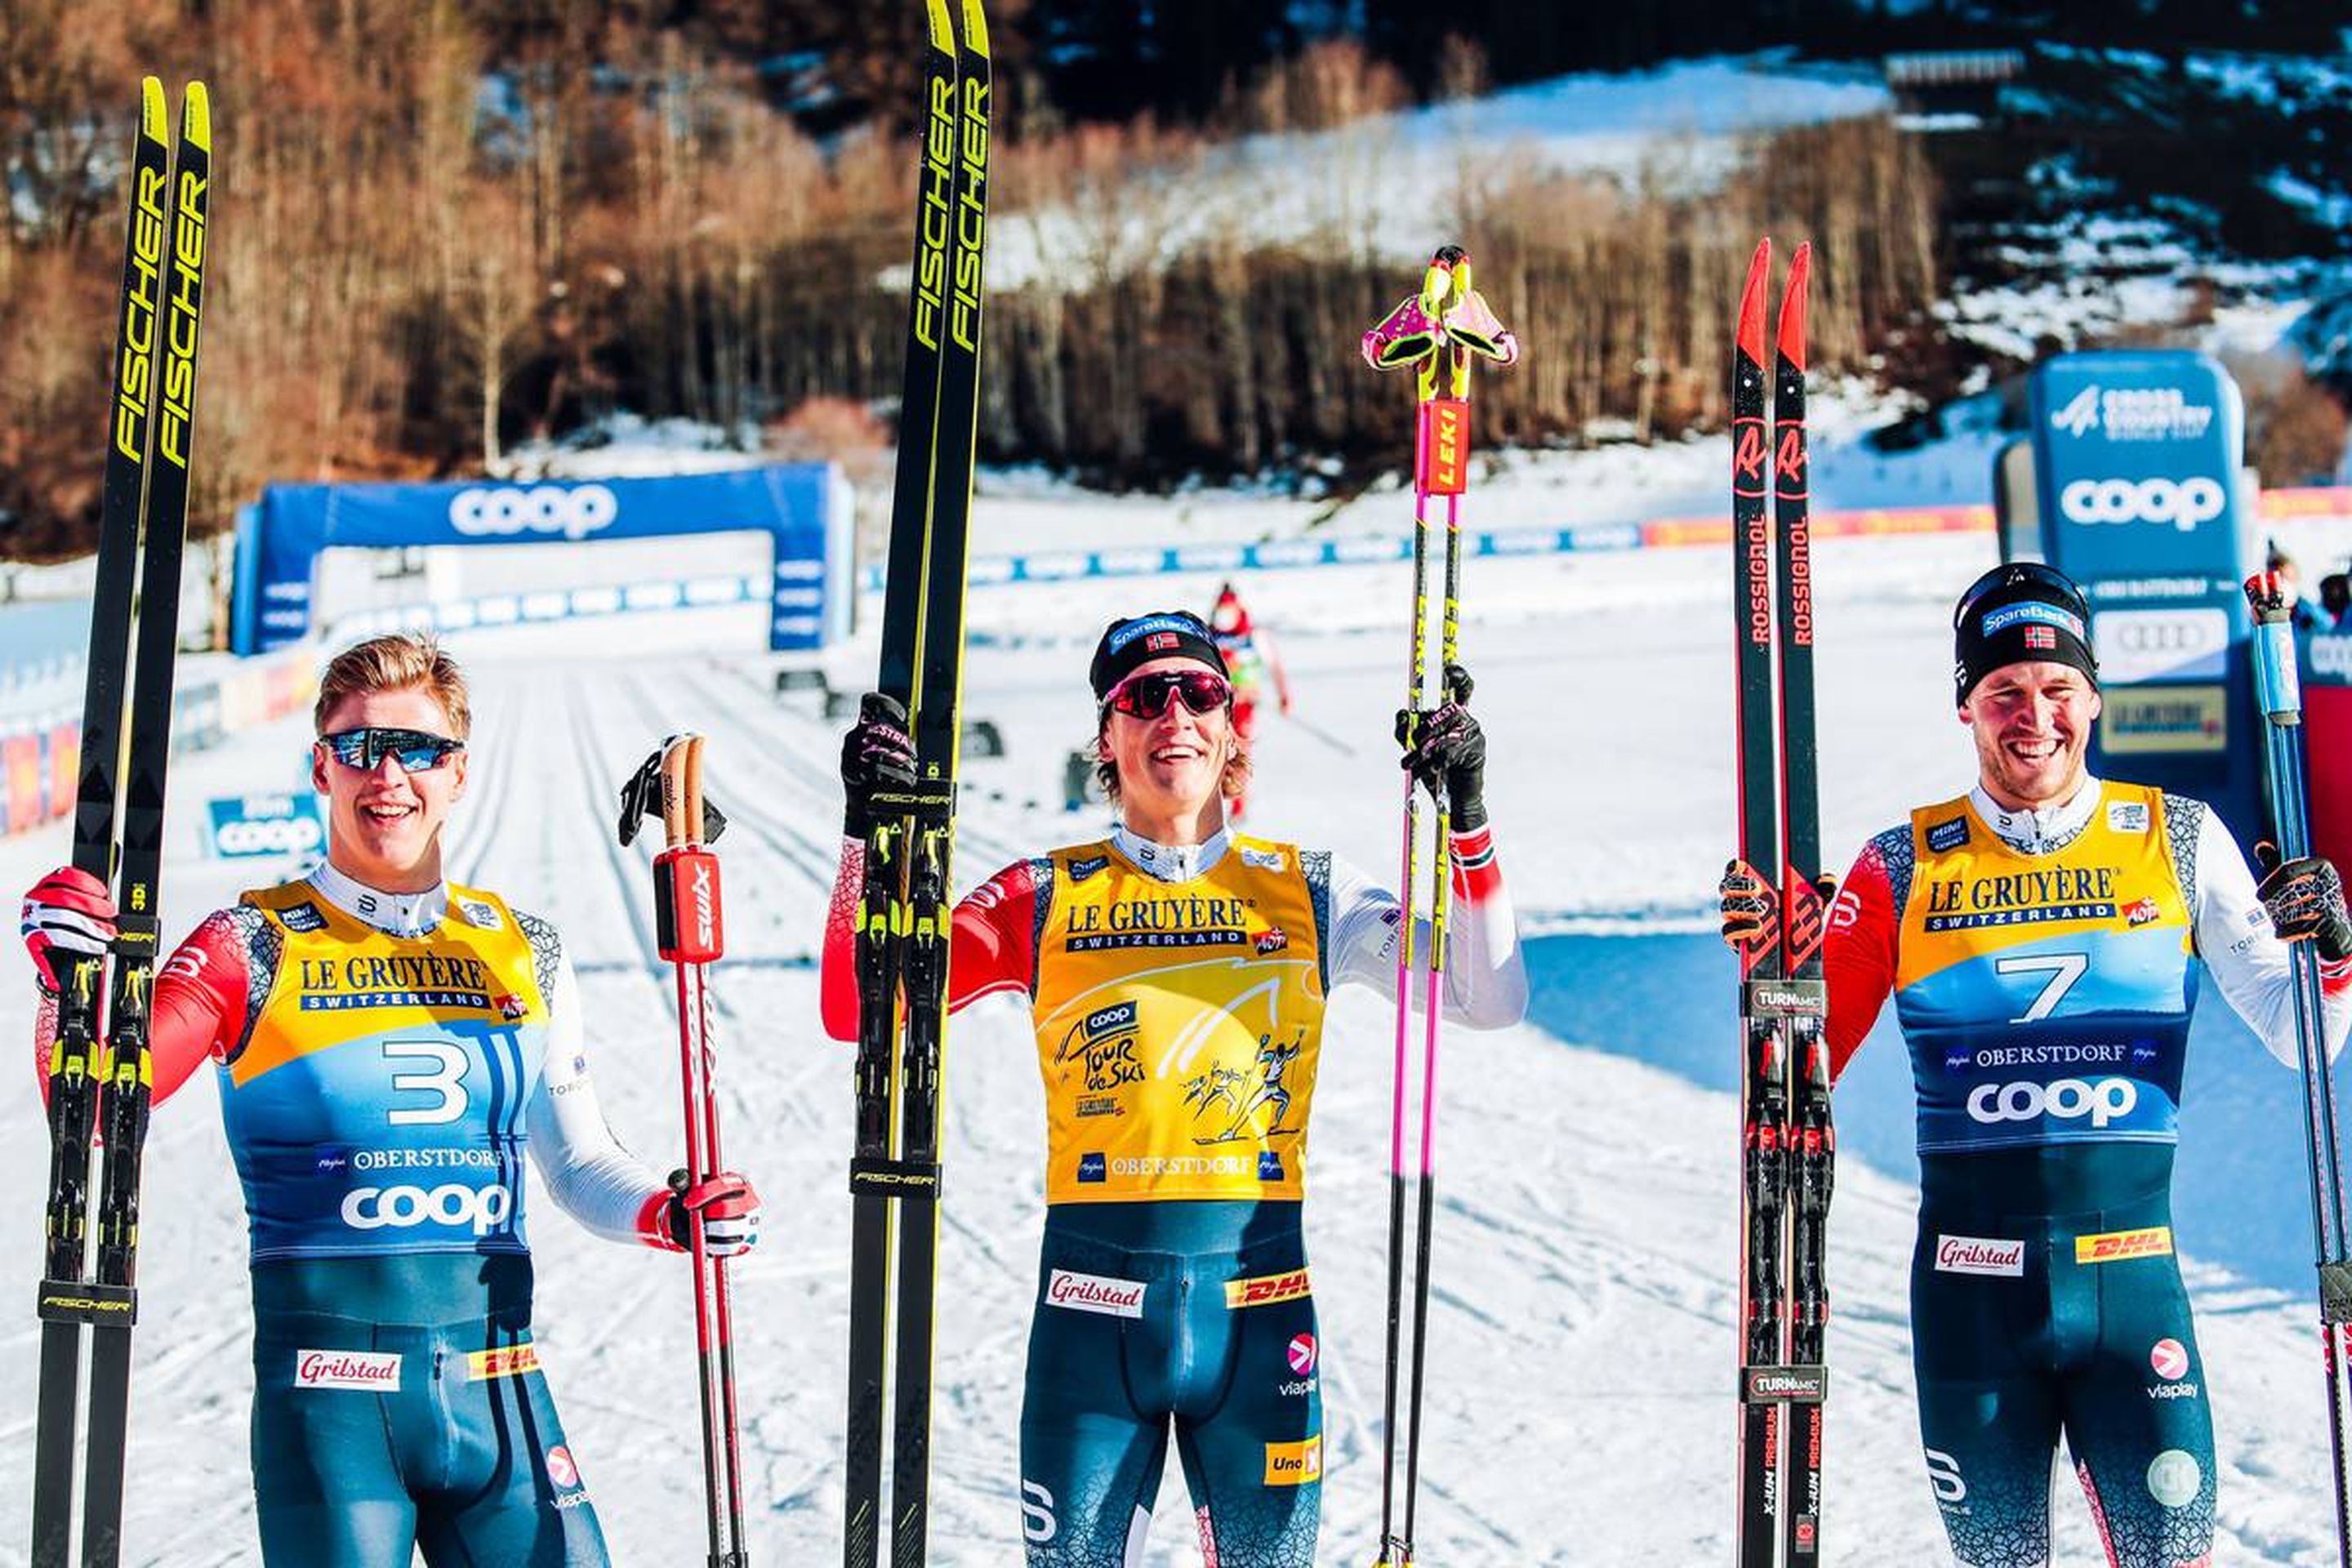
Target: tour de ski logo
1102,1049
1227,1100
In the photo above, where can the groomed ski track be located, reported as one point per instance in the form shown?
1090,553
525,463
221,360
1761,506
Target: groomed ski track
1581,1365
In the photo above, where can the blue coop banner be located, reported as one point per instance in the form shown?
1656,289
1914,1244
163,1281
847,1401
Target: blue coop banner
804,508
2137,462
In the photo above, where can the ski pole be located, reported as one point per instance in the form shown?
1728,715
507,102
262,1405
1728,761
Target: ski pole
689,931
1407,898
1420,332
2278,691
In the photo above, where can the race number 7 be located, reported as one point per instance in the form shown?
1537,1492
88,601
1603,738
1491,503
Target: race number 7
2062,968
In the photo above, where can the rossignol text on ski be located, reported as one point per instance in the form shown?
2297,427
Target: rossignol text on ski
1788,1145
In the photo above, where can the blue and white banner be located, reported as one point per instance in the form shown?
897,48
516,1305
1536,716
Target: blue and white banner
1281,555
249,826
2136,460
804,509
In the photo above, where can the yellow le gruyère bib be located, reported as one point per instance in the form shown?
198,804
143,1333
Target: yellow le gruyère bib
1178,1025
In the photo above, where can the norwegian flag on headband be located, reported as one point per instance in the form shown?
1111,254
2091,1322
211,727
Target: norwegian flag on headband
2043,637
1159,640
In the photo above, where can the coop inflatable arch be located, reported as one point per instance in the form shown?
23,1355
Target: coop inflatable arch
804,509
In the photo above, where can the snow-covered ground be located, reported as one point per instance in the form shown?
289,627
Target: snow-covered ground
1581,1359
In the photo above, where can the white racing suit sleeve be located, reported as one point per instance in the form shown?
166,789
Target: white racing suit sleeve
2246,960
588,1172
1485,975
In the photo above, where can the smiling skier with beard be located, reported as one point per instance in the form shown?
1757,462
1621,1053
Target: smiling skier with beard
2042,936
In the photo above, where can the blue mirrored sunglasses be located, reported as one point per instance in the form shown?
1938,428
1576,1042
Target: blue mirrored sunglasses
413,750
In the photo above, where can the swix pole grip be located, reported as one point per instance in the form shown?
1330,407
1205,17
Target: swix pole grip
686,924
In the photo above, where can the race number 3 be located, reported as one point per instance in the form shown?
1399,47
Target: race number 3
441,1079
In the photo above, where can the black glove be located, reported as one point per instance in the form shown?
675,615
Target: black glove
2305,900
877,753
1446,746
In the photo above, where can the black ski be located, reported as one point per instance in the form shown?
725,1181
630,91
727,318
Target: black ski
1785,1141
904,912
1812,1145
122,789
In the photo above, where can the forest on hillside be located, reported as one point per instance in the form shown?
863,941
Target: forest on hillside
444,224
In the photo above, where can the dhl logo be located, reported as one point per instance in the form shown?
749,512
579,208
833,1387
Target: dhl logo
514,1361
1294,1464
2115,1245
1266,1290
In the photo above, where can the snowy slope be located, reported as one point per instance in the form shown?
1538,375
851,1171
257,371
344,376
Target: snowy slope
1581,1359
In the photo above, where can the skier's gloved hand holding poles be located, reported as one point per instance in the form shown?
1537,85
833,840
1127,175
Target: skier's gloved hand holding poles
67,914
877,753
1446,746
726,1206
2305,900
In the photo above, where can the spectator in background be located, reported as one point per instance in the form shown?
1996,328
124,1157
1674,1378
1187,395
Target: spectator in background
2336,602
1252,662
2307,617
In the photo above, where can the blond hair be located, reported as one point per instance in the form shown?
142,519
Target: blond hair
401,661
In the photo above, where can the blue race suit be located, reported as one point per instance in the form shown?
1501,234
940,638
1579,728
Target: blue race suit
2044,967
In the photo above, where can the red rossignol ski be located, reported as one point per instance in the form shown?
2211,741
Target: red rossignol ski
1788,1145
689,932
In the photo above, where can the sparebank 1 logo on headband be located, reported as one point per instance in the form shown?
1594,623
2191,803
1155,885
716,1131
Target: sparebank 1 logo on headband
2180,503
575,511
